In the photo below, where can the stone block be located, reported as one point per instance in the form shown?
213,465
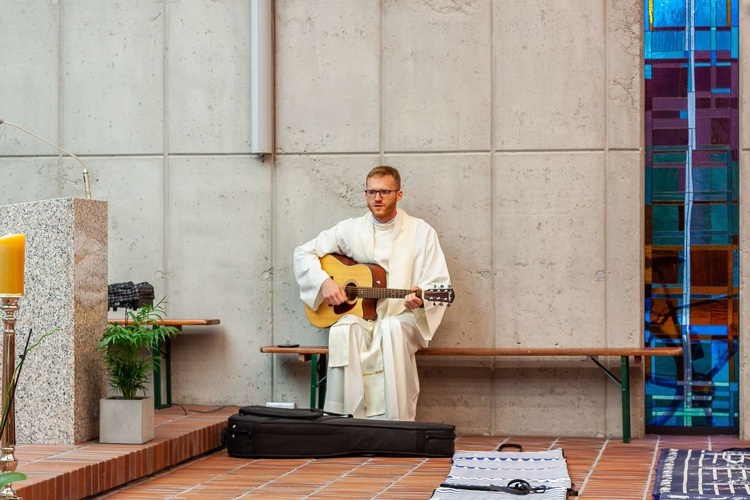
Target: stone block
57,400
126,421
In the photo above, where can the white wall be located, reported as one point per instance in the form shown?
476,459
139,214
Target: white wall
517,127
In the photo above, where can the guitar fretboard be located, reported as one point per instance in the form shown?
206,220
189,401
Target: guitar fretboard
378,293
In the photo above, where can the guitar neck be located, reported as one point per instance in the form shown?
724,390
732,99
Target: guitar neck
379,293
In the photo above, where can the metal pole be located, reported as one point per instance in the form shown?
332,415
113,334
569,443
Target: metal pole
8,461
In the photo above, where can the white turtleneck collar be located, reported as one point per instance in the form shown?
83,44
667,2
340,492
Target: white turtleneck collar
384,225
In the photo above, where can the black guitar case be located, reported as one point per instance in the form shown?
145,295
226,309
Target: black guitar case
263,432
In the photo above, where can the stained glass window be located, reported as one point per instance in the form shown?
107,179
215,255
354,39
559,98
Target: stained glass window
691,50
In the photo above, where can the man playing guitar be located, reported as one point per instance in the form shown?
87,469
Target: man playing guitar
372,370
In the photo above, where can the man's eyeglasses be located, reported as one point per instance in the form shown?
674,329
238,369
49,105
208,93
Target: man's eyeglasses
384,193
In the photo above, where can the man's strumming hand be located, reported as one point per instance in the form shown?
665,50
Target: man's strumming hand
333,293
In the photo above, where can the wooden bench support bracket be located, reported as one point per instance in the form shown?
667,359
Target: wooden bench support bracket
624,384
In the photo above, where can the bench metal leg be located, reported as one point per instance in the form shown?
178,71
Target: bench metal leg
157,381
313,379
318,368
624,384
166,362
168,369
625,388
322,380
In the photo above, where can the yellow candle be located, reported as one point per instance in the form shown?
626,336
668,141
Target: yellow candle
12,256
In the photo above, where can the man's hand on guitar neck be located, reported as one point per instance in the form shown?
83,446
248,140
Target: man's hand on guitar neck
411,301
333,293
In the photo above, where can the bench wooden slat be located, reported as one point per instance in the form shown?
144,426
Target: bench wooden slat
550,351
172,322
272,349
504,351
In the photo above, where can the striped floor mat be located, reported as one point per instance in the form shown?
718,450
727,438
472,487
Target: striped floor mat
702,475
543,475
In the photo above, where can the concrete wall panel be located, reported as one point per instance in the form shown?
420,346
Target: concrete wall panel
744,80
132,188
457,392
549,250
744,223
550,398
744,378
29,38
624,249
327,76
624,74
28,179
550,75
436,76
219,267
112,77
209,76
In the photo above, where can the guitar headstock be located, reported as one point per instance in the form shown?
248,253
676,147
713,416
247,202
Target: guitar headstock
440,295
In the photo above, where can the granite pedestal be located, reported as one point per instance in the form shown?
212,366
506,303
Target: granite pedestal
57,400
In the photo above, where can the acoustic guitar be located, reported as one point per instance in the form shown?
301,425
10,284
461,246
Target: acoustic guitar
364,285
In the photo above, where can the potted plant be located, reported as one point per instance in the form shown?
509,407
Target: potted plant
130,351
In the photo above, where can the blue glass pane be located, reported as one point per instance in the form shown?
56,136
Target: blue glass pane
723,40
703,40
668,13
667,41
703,13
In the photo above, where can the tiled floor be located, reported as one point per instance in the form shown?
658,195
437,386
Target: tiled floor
162,469
599,468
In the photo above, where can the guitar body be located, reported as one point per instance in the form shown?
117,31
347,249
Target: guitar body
347,272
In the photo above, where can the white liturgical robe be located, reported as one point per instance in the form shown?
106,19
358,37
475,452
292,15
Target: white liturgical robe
372,370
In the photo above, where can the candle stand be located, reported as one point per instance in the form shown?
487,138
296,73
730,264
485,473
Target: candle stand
8,461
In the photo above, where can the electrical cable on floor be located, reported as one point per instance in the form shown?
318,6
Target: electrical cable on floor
200,411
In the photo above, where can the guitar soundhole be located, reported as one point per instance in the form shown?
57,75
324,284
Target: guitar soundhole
351,292
351,300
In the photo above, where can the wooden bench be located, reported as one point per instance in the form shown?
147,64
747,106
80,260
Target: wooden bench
318,354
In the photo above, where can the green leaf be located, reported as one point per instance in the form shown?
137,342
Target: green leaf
11,477
130,352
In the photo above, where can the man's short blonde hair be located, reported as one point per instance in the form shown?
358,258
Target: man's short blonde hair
382,170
